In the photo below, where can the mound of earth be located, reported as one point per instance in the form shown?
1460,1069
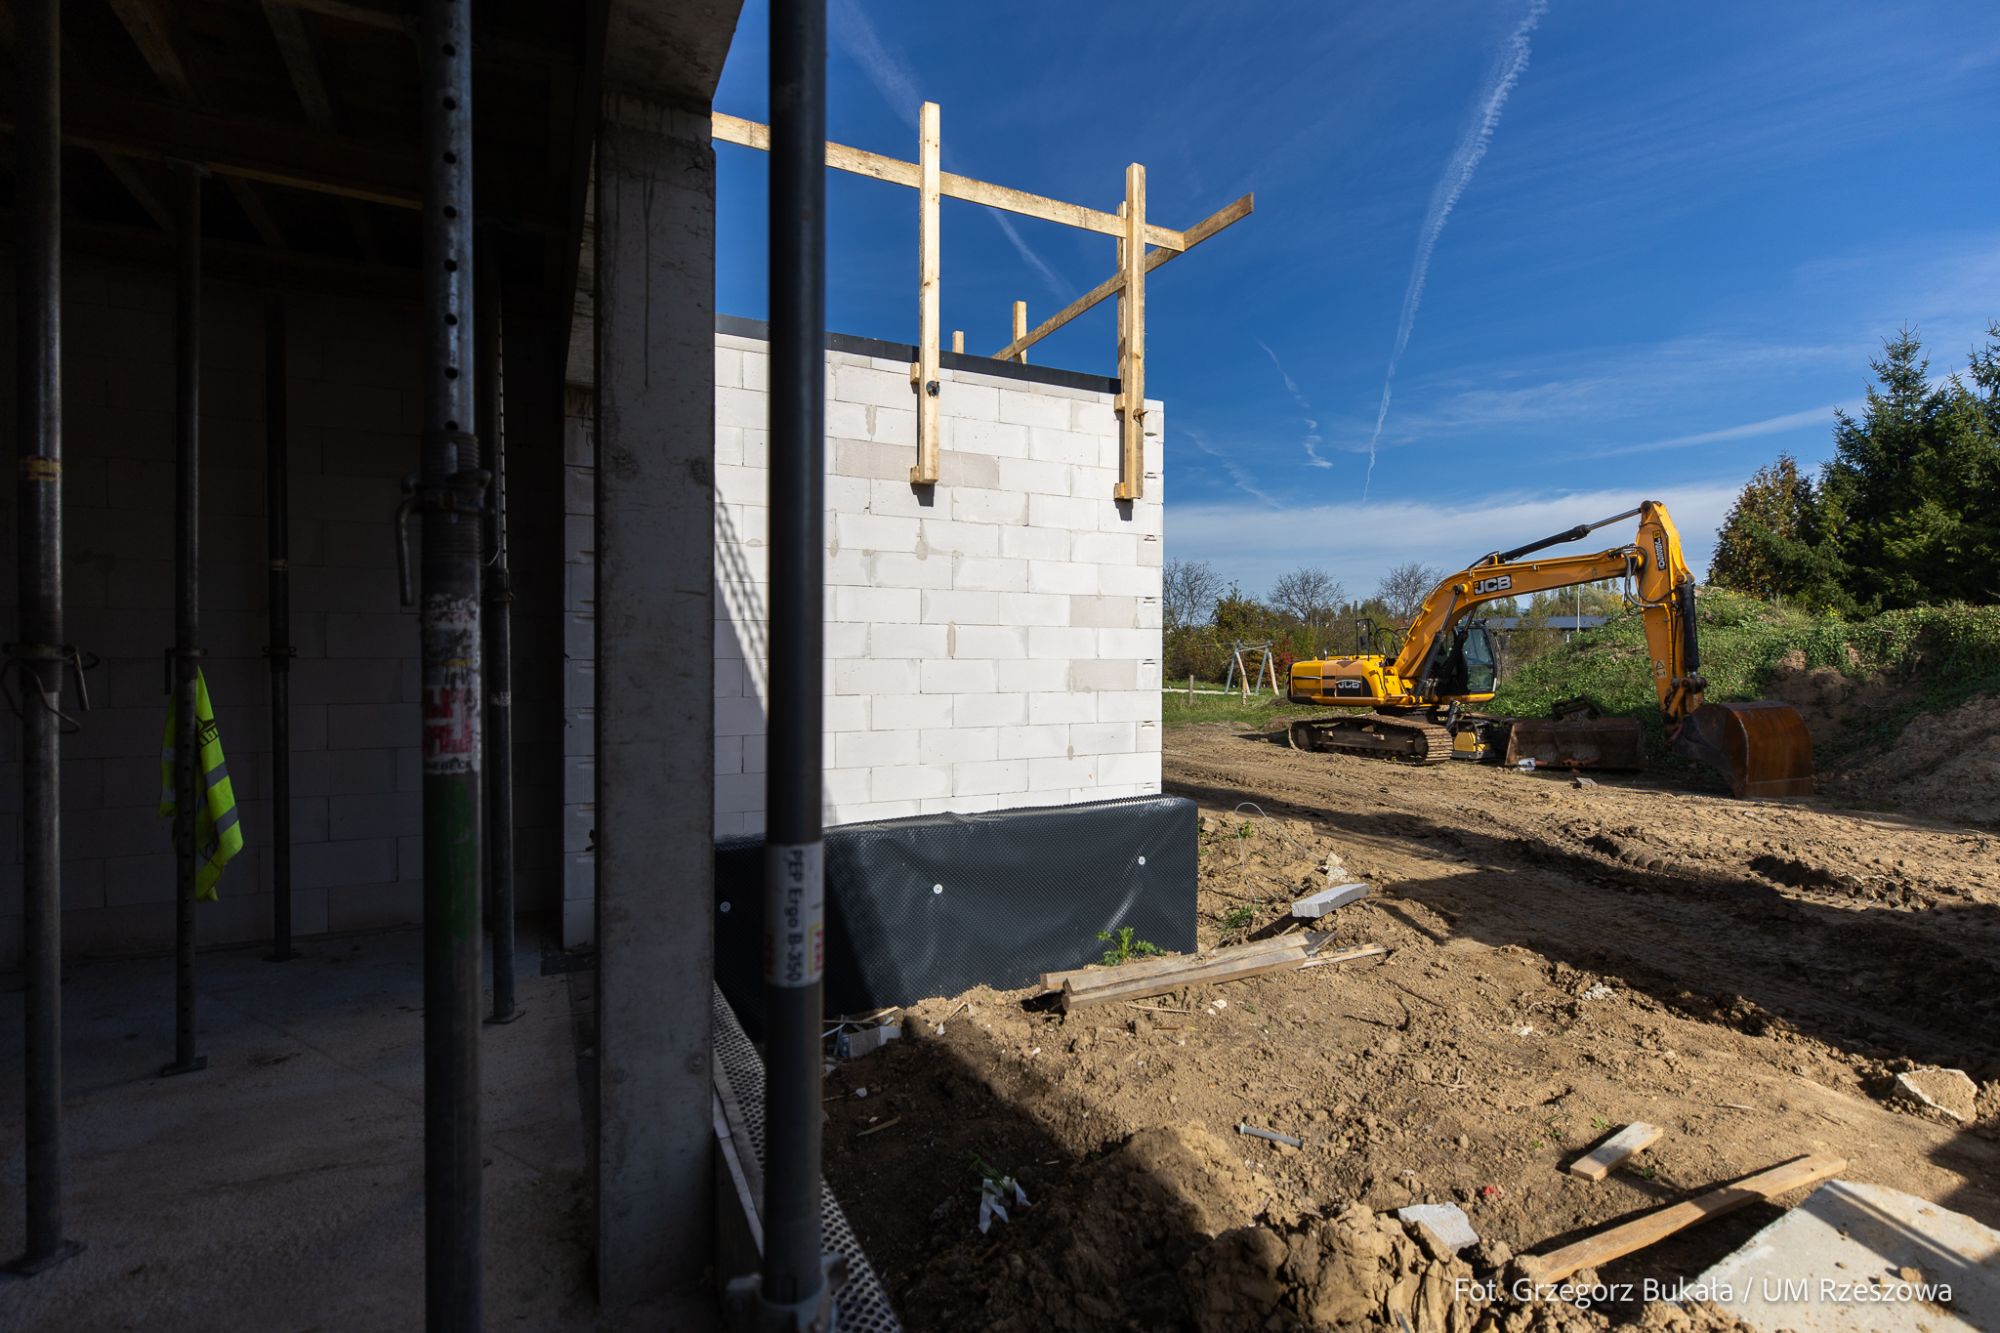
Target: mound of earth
1172,1230
1827,698
1947,763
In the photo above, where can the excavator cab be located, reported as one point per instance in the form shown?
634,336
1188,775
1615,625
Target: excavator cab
1470,669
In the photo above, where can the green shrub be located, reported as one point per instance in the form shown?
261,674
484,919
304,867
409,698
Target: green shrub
1942,654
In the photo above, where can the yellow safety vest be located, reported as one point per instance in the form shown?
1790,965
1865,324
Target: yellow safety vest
217,833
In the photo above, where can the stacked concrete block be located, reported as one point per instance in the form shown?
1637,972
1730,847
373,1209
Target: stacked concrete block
993,641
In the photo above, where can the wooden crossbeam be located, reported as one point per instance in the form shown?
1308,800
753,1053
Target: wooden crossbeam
860,162
288,27
366,15
295,45
1110,287
148,27
142,193
240,147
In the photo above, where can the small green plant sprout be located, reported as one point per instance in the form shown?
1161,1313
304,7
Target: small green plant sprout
1239,917
1124,948
1599,1123
1246,830
997,1192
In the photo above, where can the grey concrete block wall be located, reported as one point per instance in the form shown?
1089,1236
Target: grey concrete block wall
992,642
356,803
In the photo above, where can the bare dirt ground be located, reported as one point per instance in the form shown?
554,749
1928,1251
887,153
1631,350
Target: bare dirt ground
1748,975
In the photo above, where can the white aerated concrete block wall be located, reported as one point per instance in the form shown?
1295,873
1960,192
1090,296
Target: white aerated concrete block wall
992,641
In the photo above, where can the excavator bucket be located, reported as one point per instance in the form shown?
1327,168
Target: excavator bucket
1578,742
1762,747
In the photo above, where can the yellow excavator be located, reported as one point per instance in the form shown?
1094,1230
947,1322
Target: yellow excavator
1418,704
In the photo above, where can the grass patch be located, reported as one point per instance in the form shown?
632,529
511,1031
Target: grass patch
1260,711
1124,948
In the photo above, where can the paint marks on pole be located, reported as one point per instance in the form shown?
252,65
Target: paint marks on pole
451,684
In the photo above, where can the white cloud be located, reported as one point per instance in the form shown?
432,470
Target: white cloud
1358,543
1749,430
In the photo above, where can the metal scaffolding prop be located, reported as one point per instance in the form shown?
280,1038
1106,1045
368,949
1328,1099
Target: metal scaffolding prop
1129,226
279,650
795,1291
33,668
498,647
449,496
186,653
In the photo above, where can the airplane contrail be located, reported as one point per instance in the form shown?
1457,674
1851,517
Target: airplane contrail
1311,441
857,34
1444,197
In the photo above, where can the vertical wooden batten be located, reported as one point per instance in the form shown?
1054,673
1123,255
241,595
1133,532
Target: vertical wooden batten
1132,340
924,373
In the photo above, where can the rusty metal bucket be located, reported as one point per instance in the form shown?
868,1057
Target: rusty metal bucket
1578,742
1762,747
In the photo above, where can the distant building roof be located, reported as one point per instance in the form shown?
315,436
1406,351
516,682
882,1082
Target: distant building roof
1571,623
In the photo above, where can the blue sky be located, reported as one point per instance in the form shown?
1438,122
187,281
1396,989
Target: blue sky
1657,244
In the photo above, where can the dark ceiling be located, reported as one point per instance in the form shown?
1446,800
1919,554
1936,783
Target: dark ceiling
305,115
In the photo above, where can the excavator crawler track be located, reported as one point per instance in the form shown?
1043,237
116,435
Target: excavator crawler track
1410,740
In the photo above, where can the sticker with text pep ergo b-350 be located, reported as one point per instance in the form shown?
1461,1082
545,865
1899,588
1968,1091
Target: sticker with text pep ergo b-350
794,914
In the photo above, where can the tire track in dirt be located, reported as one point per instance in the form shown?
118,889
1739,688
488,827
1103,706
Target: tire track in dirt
1675,893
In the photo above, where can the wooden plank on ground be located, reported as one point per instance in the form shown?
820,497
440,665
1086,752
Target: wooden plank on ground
1345,955
1634,1138
1100,974
1627,1237
1197,972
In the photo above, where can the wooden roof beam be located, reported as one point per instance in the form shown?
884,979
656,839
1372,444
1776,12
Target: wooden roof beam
295,45
860,162
239,146
485,41
147,25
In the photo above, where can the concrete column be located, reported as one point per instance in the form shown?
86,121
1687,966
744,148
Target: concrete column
655,314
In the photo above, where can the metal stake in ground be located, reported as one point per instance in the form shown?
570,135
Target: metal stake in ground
277,512
795,1293
448,495
499,644
35,662
187,605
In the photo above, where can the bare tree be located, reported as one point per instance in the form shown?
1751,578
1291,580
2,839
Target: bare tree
1404,588
1311,596
1188,592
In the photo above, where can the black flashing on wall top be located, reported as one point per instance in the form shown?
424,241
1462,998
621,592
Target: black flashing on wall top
937,904
967,361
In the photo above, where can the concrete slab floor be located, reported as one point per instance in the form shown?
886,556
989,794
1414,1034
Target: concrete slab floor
282,1187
